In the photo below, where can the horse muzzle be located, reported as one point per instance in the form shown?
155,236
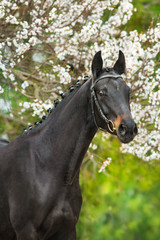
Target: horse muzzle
127,130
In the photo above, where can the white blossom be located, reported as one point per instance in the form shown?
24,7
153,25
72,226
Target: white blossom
1,89
105,164
2,12
62,35
25,84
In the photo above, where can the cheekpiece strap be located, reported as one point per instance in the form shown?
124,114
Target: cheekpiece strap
94,97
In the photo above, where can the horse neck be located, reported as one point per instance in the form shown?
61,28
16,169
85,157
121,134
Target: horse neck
69,132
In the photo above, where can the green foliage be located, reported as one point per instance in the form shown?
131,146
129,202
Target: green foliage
123,202
147,11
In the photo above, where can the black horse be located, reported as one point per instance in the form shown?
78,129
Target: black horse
40,196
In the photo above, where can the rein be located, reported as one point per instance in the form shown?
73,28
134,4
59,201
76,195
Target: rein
94,99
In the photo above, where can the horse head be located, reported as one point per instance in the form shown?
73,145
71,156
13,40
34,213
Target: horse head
110,99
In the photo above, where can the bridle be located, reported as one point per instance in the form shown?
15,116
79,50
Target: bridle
94,99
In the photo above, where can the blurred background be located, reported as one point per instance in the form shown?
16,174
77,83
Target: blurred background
123,201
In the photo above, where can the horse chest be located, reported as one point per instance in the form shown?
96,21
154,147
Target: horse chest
61,212
64,212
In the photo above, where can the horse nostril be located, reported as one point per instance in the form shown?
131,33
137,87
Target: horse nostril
122,129
135,129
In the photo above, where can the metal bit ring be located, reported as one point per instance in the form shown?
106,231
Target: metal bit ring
111,126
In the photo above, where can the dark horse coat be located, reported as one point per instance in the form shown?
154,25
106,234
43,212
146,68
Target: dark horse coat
40,196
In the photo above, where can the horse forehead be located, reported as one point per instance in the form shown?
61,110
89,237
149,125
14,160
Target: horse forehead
117,83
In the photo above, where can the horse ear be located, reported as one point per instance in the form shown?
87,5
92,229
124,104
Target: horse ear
97,64
120,65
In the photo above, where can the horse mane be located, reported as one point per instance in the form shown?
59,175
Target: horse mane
53,112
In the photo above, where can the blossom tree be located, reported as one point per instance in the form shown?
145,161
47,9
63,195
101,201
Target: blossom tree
46,45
